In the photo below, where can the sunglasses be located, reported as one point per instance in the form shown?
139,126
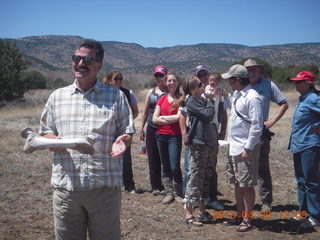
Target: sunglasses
86,60
299,81
202,75
160,75
200,85
118,79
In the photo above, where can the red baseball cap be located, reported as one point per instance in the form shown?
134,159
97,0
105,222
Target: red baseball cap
161,69
305,75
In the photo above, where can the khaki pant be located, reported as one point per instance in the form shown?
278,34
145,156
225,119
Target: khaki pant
97,211
245,173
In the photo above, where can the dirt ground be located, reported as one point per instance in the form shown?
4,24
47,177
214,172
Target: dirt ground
26,195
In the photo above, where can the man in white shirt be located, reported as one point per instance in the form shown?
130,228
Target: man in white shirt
244,131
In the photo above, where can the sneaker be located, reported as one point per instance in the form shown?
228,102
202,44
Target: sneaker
168,199
216,205
156,192
310,223
163,192
266,207
178,199
136,191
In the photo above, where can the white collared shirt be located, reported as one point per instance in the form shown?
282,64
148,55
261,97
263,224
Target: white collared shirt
242,134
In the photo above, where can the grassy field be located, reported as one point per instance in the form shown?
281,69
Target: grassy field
26,195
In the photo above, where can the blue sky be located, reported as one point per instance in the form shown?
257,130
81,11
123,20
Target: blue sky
166,23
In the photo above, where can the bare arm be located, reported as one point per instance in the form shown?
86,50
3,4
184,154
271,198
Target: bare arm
157,119
144,116
280,112
135,111
172,118
183,127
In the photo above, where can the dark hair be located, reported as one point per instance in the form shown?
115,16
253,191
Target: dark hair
244,81
93,44
111,75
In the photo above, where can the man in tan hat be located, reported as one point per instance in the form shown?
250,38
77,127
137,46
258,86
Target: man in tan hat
269,93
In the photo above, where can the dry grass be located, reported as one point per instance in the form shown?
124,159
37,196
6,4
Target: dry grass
25,192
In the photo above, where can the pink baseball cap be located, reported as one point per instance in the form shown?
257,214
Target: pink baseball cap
305,75
161,69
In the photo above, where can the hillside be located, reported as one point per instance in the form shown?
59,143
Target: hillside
54,53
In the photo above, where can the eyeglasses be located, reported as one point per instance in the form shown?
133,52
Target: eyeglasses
86,60
299,81
200,85
202,74
160,75
118,79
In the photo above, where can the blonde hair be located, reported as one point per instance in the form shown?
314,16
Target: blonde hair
189,86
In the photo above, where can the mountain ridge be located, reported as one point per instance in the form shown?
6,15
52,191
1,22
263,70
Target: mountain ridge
56,51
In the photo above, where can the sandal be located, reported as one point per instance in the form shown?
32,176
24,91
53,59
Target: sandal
193,222
232,221
245,226
207,218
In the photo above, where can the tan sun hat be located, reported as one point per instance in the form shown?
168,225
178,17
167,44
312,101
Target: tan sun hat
236,71
252,63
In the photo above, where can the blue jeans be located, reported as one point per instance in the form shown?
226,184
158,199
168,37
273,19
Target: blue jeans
306,167
170,151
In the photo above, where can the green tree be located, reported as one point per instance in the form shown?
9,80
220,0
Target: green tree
11,64
33,80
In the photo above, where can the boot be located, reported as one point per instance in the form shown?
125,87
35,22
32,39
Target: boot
178,196
168,186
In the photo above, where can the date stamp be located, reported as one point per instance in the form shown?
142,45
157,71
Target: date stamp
266,215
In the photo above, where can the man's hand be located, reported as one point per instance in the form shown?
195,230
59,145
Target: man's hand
246,155
120,145
118,148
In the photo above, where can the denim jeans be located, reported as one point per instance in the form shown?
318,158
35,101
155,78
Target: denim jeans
307,171
170,151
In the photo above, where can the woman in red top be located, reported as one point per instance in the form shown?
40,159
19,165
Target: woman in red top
166,117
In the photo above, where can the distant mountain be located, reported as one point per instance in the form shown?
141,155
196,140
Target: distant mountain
54,53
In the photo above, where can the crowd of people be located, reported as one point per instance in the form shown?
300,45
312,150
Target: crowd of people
87,188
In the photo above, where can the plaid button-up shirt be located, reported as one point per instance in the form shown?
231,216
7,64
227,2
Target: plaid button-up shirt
101,113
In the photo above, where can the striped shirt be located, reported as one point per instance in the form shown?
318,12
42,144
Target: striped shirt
101,113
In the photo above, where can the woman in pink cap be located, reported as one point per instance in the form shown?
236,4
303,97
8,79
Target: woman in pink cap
151,100
305,146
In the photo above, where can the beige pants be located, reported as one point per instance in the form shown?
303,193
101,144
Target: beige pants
97,211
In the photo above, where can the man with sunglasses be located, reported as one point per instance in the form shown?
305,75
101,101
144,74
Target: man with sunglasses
269,92
87,188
